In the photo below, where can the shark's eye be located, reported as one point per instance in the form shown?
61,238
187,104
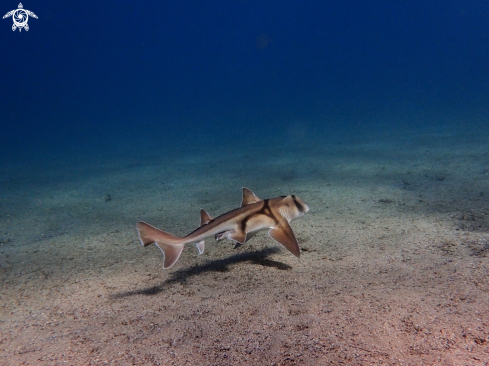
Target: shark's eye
299,206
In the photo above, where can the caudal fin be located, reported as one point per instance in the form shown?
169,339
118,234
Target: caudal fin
169,244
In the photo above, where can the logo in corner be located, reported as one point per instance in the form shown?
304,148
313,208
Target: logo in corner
20,17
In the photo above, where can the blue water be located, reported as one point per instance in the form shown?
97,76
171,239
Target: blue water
375,112
99,77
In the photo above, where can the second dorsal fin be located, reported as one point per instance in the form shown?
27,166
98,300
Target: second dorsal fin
205,218
249,197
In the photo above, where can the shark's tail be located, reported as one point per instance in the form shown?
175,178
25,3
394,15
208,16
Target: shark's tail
170,245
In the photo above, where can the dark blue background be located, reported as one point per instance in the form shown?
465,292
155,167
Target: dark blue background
109,73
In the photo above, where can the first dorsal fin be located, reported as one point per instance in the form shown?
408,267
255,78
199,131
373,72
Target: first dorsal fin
249,197
205,218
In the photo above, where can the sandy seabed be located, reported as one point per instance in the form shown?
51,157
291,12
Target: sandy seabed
394,266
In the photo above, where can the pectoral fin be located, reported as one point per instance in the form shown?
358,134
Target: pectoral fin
284,235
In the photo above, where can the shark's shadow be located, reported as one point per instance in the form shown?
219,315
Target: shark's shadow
221,265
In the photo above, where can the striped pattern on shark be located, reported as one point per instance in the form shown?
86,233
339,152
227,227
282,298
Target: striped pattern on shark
239,225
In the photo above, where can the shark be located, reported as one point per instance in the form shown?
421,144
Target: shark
239,225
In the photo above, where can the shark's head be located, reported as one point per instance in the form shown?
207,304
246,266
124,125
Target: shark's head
292,207
302,207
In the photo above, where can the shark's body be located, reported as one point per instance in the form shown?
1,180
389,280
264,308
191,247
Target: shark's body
239,225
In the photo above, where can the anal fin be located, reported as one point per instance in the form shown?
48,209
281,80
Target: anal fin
200,246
